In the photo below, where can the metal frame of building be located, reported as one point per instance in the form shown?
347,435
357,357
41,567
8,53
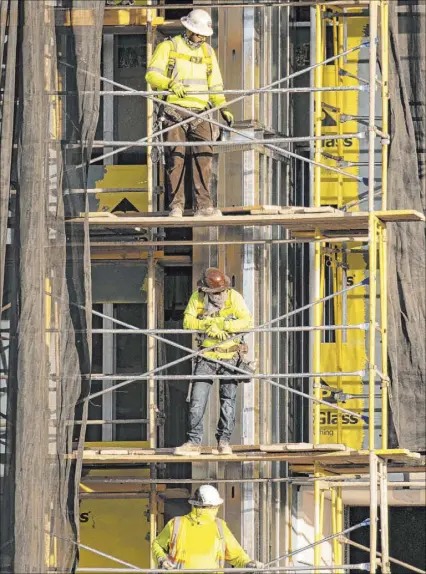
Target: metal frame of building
314,228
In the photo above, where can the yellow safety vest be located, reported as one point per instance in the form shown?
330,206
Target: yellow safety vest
195,68
234,306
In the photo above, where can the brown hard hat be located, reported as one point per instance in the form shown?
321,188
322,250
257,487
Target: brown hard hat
214,281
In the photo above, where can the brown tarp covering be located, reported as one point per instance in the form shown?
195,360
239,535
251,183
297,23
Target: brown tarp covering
407,271
47,278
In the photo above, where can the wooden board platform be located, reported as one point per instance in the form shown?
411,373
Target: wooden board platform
294,221
334,456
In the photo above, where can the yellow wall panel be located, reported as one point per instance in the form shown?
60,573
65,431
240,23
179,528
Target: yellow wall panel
122,177
348,353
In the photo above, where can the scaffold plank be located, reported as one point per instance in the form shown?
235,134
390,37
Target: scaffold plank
347,458
303,446
295,222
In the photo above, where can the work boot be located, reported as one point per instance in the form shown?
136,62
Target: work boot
223,447
208,212
188,449
176,212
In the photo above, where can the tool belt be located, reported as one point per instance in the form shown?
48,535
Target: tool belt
177,117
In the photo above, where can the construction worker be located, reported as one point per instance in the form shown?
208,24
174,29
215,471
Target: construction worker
183,64
200,539
219,312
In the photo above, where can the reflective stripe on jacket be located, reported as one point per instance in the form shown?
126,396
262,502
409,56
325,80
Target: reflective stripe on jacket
195,68
199,540
235,306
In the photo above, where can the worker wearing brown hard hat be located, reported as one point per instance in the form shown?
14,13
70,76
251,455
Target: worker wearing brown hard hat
219,312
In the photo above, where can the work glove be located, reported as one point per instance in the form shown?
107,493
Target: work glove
178,89
205,323
214,332
228,117
255,565
166,564
218,321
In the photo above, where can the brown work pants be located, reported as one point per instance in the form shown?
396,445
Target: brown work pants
202,156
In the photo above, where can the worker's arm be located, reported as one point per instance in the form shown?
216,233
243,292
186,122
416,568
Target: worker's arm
215,83
160,546
233,552
156,75
244,319
190,316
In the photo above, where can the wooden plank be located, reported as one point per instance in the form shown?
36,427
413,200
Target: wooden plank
286,447
332,447
293,221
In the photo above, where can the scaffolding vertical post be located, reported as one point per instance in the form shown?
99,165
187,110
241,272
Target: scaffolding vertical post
372,228
373,512
340,523
383,269
316,363
151,305
384,517
384,45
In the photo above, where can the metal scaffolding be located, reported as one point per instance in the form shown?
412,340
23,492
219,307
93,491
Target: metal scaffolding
374,463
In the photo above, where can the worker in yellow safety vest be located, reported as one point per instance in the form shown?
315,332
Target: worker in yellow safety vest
183,64
200,539
219,312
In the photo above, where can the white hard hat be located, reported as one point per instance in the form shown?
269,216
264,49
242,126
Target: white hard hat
199,22
206,495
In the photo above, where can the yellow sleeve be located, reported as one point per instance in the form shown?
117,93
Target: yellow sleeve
233,552
190,316
244,318
160,546
156,74
215,82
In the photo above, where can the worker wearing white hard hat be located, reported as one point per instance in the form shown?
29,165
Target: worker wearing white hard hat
199,539
181,65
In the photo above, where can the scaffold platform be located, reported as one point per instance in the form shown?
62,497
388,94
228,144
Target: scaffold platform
340,456
296,222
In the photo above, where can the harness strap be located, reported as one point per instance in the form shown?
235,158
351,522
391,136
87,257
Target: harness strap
175,55
173,541
219,525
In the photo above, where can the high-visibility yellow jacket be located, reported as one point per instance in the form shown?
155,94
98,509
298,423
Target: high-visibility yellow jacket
195,68
235,309
199,540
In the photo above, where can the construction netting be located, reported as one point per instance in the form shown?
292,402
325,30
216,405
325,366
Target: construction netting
407,178
45,267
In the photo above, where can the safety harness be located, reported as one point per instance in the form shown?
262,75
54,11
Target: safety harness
173,543
171,64
175,55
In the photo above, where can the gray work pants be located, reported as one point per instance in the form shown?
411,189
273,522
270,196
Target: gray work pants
205,371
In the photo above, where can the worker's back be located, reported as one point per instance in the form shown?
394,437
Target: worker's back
199,540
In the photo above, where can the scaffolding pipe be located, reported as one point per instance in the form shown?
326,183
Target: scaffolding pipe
132,567
306,482
373,512
260,376
248,92
318,542
360,327
291,569
317,312
266,4
159,243
393,560
219,143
